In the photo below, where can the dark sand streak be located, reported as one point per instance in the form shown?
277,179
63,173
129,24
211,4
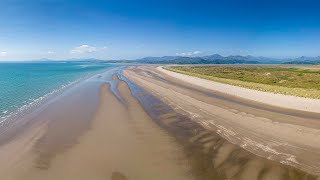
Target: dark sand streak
227,160
87,138
107,131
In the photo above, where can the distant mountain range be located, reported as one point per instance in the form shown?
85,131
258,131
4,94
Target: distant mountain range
304,60
211,59
218,59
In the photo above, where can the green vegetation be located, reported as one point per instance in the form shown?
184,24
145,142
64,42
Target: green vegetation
294,81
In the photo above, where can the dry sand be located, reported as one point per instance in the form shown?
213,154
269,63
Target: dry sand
285,136
284,101
100,131
119,142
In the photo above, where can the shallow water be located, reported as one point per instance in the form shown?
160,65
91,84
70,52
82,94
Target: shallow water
25,84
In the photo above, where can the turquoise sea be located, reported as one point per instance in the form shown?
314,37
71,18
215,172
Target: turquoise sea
26,83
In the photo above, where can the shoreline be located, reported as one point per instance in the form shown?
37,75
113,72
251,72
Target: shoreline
38,103
89,133
20,120
137,126
280,100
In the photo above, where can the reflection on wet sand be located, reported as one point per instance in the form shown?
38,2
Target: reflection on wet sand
112,128
115,142
208,146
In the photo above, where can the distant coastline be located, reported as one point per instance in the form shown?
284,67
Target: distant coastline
210,59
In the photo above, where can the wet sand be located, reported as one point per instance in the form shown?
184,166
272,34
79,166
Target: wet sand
287,140
142,124
117,141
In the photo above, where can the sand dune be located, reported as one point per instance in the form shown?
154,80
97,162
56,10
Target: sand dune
284,101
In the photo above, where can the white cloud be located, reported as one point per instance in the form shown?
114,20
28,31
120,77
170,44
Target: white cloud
3,53
83,49
51,52
188,53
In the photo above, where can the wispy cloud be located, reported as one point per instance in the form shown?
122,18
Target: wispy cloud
3,53
83,49
189,53
51,52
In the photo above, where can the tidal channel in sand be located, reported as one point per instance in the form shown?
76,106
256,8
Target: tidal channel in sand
96,131
139,125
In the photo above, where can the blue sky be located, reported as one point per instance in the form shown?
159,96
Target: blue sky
128,29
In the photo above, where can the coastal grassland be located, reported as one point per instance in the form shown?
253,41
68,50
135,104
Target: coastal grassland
296,81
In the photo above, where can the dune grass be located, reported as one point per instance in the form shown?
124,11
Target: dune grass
293,81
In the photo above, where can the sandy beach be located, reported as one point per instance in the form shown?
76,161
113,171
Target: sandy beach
160,90
289,137
280,100
140,123
116,141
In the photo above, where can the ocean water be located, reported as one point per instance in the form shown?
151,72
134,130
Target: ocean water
25,84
